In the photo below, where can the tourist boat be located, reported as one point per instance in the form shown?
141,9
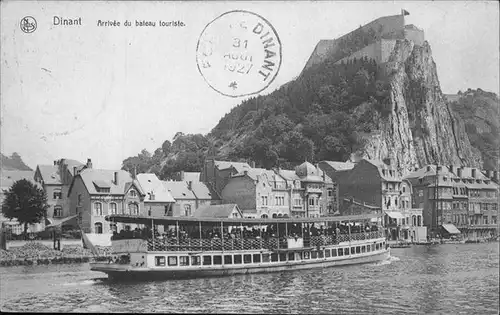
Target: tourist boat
400,245
271,245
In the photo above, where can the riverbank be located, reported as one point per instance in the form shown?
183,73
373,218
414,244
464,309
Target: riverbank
34,253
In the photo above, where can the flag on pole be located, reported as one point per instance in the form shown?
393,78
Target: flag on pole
88,244
404,12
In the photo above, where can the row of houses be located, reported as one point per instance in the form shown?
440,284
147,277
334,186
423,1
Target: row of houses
414,206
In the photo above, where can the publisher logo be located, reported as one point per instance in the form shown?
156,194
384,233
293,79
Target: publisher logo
28,24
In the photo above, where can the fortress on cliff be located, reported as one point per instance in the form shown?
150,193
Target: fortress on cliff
375,40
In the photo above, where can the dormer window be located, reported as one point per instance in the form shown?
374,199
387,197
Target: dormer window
132,193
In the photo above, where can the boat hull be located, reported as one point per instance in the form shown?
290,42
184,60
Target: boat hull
124,273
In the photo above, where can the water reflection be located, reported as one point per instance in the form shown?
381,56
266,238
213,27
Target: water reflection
439,279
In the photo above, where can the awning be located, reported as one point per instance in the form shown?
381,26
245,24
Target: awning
450,228
57,222
395,214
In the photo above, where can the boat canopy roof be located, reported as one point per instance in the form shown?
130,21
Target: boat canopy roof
142,219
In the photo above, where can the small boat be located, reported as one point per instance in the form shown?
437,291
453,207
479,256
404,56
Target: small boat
283,244
400,245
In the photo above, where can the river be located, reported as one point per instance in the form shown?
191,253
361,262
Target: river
446,279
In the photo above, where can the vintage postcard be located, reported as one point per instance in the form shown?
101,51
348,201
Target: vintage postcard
325,157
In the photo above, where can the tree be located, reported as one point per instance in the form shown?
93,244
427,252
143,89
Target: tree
25,202
166,146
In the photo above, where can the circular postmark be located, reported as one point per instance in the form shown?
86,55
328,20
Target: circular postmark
239,53
28,24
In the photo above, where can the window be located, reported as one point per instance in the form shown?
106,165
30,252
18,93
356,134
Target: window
98,228
132,193
112,208
265,258
172,260
291,256
311,201
330,192
264,216
274,257
159,260
237,259
363,249
57,194
353,250
368,247
80,199
358,249
183,260
328,253
376,246
195,260
218,260
306,255
283,257
133,209
341,251
247,259
256,258
58,212
314,254
207,260
187,210
228,259
112,227
321,254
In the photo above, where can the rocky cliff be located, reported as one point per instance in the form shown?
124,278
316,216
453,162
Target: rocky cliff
421,128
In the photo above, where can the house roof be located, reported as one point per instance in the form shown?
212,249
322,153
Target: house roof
306,169
50,174
90,176
253,173
203,191
178,190
152,185
7,178
288,175
239,166
216,211
192,176
381,167
340,166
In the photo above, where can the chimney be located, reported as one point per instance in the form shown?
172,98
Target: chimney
182,176
473,173
355,158
459,171
489,173
55,163
115,178
89,163
252,164
451,168
439,168
190,185
74,170
495,175
428,168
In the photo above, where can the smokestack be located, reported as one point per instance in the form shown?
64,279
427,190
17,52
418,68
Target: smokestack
474,173
115,178
489,174
89,163
459,172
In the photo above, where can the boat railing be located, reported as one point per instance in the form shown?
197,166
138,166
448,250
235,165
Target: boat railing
216,244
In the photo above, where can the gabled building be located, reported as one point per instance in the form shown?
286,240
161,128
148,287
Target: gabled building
157,201
95,193
335,171
189,196
460,196
56,180
216,174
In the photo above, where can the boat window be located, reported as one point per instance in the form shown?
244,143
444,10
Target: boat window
228,259
368,248
217,260
256,258
184,260
283,257
291,256
314,254
320,254
363,249
358,249
195,260
306,255
328,252
265,258
373,247
274,257
247,259
237,259
341,251
172,260
334,252
376,246
353,250
383,244
207,260
160,260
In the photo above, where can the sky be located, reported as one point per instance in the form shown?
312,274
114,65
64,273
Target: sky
106,93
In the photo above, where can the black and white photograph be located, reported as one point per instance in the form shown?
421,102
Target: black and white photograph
250,157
